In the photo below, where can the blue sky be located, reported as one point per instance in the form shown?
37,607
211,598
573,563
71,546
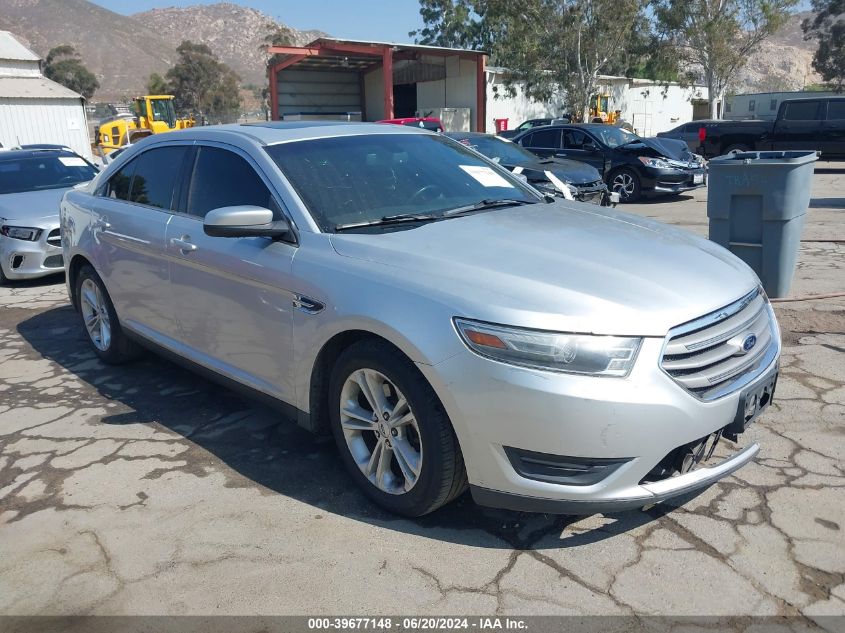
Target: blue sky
389,20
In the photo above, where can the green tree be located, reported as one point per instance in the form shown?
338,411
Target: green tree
157,85
546,44
64,65
277,35
828,27
201,83
712,39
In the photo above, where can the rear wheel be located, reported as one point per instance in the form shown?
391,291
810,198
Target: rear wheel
626,183
393,435
100,320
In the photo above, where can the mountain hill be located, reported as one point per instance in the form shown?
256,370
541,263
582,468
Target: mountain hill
782,62
233,32
122,50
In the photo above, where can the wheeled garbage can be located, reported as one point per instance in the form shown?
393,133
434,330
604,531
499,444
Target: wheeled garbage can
756,205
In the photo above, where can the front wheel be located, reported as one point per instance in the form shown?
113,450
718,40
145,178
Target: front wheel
100,320
626,183
393,435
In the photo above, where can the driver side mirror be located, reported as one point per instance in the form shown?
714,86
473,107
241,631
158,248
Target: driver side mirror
245,221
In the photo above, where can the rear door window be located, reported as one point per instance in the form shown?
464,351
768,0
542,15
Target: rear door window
154,180
544,138
118,185
802,111
224,179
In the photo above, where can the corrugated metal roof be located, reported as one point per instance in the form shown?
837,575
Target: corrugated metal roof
328,41
34,88
11,48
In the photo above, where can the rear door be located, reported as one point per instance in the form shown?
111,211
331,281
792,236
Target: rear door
544,141
580,146
833,130
131,212
800,127
231,296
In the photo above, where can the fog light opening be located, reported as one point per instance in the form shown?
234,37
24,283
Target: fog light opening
684,459
17,261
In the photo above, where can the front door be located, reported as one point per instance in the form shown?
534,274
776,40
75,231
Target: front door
232,296
131,212
578,145
800,127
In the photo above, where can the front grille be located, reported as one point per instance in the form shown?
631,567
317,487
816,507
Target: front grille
54,261
54,238
707,356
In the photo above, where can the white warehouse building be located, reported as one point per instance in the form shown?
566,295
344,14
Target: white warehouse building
34,109
648,105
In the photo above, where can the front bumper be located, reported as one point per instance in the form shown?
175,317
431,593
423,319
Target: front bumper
22,259
675,180
637,421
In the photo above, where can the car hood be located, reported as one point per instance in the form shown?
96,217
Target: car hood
567,170
32,205
666,147
563,266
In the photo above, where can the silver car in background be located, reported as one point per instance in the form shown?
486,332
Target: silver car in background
447,324
32,183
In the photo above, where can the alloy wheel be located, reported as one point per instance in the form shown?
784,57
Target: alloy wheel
623,184
381,431
95,314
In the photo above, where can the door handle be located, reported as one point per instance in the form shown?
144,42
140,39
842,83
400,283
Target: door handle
183,244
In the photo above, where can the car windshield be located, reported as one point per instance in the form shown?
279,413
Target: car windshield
34,173
613,136
365,178
498,149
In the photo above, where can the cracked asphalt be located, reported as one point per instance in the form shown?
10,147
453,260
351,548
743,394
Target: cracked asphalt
145,489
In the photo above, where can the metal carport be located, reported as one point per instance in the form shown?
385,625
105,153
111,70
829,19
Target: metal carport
332,75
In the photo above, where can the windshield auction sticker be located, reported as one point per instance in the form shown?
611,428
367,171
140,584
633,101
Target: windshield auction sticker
486,176
72,161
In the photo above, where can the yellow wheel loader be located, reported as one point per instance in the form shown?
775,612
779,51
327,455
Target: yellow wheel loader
154,114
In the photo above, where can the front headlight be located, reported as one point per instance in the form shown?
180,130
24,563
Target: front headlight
657,163
20,232
552,351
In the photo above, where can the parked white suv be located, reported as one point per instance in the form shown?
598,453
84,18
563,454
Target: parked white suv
446,322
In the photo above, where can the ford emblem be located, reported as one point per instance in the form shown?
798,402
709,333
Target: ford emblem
749,342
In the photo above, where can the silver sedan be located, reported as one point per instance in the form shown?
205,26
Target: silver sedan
32,183
449,325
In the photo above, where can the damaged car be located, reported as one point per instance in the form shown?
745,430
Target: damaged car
567,179
631,165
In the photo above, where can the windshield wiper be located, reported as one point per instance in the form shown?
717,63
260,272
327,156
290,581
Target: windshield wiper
388,219
486,204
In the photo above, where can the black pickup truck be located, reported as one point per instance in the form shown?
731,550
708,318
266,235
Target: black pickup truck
811,123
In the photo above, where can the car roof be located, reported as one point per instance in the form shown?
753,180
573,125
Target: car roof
271,132
17,154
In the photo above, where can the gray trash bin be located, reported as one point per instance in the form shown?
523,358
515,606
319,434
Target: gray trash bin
756,203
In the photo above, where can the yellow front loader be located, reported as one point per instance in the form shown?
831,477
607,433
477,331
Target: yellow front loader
154,114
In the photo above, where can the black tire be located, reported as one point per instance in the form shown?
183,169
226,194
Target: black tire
442,474
119,348
630,194
736,147
3,279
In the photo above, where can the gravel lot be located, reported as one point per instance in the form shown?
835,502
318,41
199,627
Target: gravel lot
145,489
